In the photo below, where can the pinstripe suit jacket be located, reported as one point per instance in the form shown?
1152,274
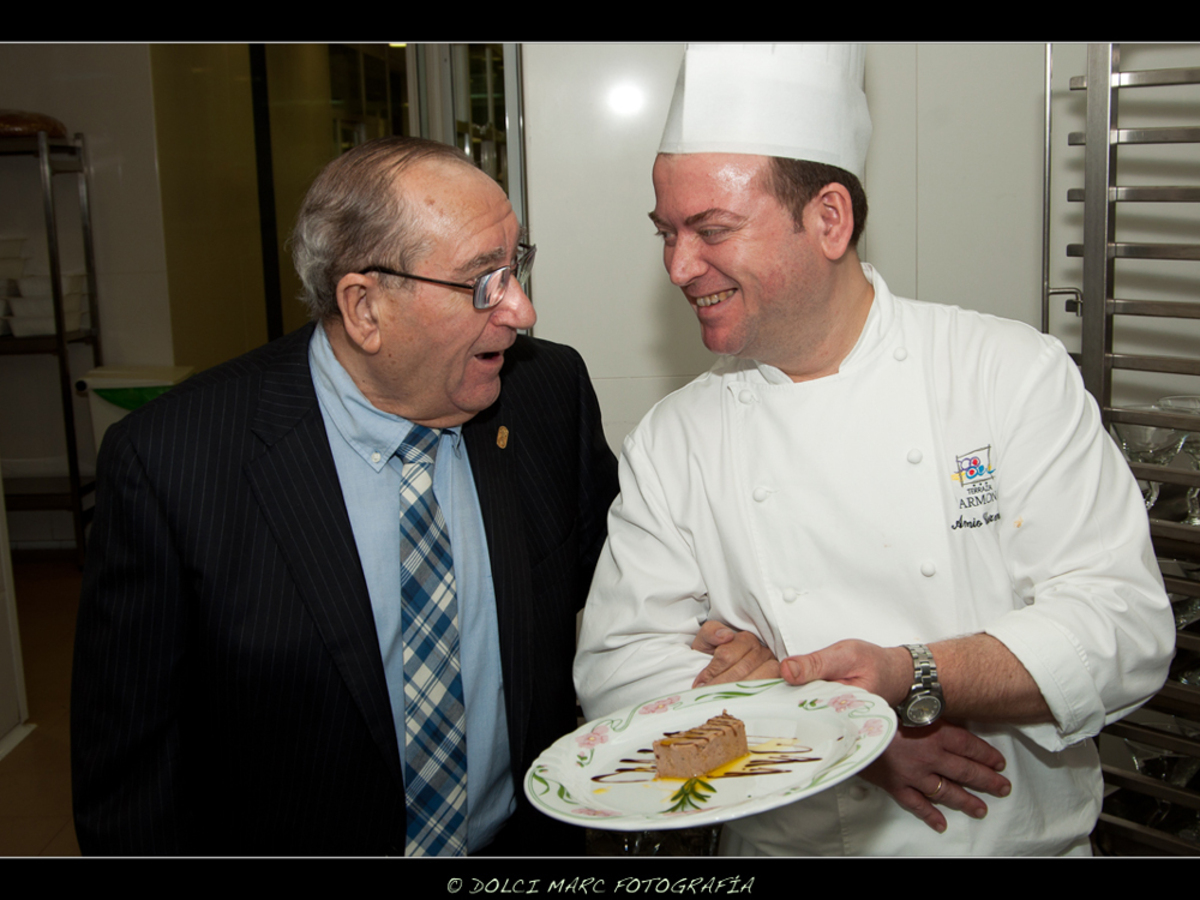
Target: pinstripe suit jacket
228,692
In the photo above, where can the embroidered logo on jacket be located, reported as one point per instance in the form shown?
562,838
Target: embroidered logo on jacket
974,474
974,467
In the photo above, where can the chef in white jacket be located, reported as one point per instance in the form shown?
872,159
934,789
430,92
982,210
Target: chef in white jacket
909,497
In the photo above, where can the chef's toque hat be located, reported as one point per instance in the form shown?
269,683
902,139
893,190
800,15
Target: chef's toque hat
798,101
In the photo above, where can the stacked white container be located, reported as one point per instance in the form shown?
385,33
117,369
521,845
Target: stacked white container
32,307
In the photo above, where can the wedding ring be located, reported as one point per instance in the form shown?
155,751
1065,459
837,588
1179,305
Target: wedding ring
937,790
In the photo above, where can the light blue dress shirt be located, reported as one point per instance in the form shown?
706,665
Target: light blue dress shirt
364,441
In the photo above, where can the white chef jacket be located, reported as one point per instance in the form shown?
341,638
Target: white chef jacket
952,478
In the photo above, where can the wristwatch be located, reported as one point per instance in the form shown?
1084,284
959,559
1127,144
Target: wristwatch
924,702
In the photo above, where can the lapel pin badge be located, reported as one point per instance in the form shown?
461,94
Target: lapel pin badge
502,437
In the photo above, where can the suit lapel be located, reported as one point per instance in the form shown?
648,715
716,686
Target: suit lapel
296,484
494,469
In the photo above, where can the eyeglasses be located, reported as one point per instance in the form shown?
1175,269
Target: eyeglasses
488,289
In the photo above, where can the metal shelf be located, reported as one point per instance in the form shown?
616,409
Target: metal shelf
1131,250
59,156
1188,135
1132,792
45,343
1167,309
1146,194
1145,78
44,493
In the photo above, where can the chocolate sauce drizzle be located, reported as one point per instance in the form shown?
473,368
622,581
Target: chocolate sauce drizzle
761,762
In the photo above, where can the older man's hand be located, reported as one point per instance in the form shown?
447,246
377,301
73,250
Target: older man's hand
936,764
737,655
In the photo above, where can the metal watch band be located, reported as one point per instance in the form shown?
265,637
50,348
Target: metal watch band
923,705
924,668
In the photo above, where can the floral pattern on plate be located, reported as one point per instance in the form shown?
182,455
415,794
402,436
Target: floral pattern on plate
802,740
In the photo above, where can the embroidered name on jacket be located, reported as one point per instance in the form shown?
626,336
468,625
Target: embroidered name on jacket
977,487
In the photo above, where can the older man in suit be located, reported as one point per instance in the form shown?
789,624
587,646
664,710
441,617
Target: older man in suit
330,595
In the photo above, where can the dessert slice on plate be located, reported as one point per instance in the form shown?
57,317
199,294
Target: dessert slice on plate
700,750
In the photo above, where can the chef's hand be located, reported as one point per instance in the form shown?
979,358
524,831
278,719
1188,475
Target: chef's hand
737,655
885,671
935,764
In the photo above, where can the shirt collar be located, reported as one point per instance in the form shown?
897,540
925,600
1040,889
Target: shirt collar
373,434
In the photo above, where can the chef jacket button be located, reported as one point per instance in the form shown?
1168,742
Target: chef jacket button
858,792
761,494
928,568
915,456
746,397
900,353
789,595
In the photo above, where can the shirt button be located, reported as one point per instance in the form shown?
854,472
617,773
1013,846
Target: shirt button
928,569
858,792
746,397
915,456
789,595
900,354
761,494
376,457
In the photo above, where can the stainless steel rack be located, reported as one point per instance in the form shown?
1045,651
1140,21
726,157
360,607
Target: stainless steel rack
1119,830
58,156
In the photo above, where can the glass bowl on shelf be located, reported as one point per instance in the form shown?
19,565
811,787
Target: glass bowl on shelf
1186,403
1147,444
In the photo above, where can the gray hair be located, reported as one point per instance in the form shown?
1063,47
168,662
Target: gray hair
354,216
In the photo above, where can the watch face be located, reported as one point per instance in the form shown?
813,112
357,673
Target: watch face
924,709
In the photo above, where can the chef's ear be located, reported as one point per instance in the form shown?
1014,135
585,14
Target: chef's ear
832,214
358,298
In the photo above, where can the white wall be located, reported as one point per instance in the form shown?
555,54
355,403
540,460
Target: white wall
954,173
599,283
954,180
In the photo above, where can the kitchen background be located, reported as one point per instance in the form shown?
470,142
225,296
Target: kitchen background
182,193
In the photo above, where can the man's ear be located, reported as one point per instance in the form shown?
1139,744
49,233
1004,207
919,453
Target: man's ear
833,219
359,298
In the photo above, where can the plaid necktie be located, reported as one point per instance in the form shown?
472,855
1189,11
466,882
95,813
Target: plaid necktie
435,717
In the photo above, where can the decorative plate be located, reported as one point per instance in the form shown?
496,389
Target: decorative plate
802,740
